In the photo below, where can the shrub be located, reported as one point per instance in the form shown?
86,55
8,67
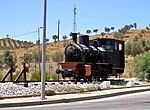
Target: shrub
118,35
27,58
136,48
8,58
147,45
58,56
50,92
142,66
128,48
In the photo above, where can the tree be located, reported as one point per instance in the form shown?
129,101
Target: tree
147,28
95,30
112,28
137,45
107,29
128,48
65,42
4,43
118,35
15,44
9,42
102,34
65,37
58,56
1,61
27,58
125,29
141,66
135,25
147,45
136,48
131,26
36,56
8,58
88,32
55,37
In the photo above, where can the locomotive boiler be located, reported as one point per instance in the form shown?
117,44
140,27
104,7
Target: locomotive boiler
92,59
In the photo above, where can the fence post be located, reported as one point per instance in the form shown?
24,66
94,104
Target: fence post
24,71
11,76
11,70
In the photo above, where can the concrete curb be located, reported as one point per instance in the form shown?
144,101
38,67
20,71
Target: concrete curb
68,100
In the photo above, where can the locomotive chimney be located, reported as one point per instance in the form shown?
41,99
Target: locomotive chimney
84,39
74,37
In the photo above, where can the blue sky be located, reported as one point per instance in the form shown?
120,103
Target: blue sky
24,16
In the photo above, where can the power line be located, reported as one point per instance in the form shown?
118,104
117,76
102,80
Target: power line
24,34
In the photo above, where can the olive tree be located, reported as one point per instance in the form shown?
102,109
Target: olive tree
27,58
8,58
128,48
136,48
58,56
142,66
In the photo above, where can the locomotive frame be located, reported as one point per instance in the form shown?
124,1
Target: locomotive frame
95,59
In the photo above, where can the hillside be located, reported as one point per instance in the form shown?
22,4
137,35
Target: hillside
18,48
8,43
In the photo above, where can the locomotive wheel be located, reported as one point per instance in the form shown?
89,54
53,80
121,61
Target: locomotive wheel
78,79
84,79
97,78
89,79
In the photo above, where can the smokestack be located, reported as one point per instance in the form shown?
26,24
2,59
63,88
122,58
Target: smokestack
84,39
74,37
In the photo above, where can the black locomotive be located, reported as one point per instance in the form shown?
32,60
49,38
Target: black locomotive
93,59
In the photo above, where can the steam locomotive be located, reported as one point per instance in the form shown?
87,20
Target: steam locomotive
95,59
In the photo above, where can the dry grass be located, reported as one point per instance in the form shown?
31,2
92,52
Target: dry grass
53,47
59,46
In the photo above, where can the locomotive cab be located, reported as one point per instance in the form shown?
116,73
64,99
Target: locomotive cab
113,54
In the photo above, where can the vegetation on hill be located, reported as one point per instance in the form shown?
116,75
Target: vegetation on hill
141,65
7,59
8,43
137,45
58,56
136,40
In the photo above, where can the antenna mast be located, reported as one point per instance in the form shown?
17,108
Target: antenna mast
74,19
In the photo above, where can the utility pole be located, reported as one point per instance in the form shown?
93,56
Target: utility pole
58,38
38,42
58,28
43,53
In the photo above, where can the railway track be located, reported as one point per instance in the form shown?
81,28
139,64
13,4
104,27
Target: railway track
112,81
62,80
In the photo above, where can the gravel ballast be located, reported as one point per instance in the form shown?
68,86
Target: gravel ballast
10,89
